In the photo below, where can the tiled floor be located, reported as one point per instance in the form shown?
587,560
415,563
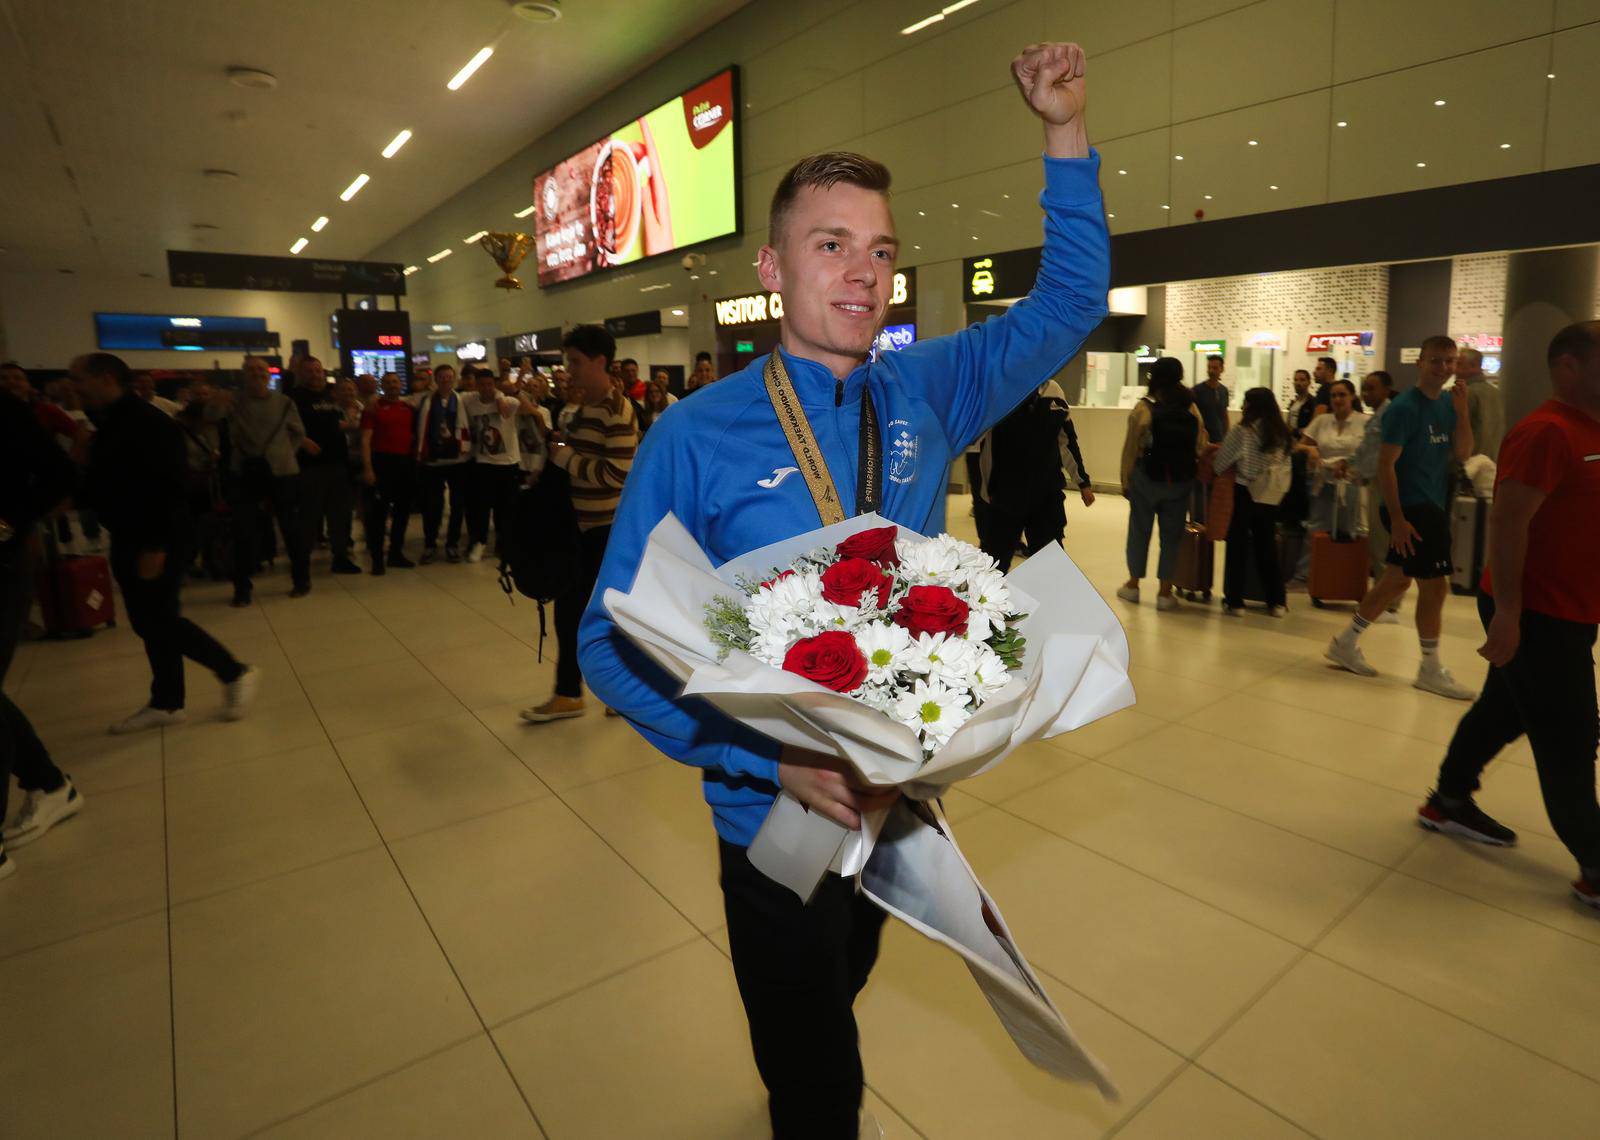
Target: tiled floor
383,906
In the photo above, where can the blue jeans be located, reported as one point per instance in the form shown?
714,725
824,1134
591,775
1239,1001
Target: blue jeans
1148,502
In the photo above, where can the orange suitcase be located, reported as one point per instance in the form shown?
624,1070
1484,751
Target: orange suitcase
1339,566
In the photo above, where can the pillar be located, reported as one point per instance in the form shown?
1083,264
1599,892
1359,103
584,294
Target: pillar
1546,290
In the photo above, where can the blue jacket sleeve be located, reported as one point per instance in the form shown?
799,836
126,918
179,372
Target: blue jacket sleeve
975,377
665,478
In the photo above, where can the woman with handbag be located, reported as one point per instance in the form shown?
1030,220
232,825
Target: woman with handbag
265,433
1257,450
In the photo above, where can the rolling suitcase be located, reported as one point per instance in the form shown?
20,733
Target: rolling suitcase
75,595
1339,564
1196,564
1469,531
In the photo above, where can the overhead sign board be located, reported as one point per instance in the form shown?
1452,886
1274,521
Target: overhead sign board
1483,342
1321,342
755,308
1000,276
1218,347
647,323
188,269
529,343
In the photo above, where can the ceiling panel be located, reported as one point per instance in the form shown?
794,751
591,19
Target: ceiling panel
1291,154
1573,134
1491,98
1100,27
1253,55
1374,36
1570,13
1193,11
1136,197
1130,90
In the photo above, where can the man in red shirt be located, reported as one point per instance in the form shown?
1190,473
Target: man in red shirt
388,454
1540,601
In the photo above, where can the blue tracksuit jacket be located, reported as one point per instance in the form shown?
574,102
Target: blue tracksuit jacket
705,459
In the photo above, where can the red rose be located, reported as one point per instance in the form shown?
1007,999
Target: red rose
832,659
770,581
846,581
932,609
875,545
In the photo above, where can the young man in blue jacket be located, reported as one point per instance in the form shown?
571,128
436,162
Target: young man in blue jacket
726,469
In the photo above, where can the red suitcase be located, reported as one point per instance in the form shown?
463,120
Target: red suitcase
75,595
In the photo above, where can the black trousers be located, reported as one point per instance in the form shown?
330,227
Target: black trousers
389,501
21,751
569,612
433,481
1043,522
491,489
1252,536
799,969
1547,691
253,508
327,492
156,616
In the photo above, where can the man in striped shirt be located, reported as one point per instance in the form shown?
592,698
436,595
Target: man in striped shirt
596,451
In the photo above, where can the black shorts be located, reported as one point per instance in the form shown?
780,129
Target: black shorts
1430,550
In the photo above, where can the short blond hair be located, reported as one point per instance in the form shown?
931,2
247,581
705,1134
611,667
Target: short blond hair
824,171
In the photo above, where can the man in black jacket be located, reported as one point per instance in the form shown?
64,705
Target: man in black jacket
136,481
35,475
327,487
1023,469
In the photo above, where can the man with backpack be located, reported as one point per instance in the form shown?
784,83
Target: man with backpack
1022,472
1160,459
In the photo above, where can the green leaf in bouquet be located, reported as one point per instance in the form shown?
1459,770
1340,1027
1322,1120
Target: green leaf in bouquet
728,626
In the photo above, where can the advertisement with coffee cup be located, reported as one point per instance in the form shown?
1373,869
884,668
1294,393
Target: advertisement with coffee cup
666,180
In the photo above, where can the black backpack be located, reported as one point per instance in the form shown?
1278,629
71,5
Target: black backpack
1173,434
542,557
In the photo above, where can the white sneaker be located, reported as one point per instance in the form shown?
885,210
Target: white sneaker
1166,603
1388,617
240,693
1128,594
41,812
475,552
148,717
1435,678
1279,611
1345,653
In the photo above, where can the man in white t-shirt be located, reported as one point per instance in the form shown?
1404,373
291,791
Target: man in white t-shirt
496,461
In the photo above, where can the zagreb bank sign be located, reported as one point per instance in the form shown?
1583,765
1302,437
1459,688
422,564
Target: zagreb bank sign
754,308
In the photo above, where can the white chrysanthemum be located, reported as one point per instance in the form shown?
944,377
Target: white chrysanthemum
933,710
827,616
886,648
944,658
879,697
772,645
930,563
989,674
786,603
988,600
969,558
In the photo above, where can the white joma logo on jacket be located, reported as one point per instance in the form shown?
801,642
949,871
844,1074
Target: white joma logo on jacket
779,474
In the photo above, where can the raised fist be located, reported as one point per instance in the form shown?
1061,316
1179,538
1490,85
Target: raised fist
1050,77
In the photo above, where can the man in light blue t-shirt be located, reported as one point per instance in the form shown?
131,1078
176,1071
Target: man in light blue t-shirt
1425,433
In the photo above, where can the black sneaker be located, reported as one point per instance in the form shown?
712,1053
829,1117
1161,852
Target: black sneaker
429,553
452,554
1466,819
346,566
240,601
301,590
400,561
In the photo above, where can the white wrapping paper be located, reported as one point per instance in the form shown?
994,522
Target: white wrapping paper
1074,671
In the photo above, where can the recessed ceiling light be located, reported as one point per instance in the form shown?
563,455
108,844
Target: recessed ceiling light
1164,206
713,272
1549,75
913,29
299,245
916,247
1438,102
316,226
253,78
955,205
1110,215
1208,197
1122,172
1505,146
974,237
1179,157
440,256
1272,187
1252,142
922,213
1005,195
354,188
410,269
525,211
216,174
1341,123
473,64
677,312
396,143
694,277
471,238
1421,164
537,11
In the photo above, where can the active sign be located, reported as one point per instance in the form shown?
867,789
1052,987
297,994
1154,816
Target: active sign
187,269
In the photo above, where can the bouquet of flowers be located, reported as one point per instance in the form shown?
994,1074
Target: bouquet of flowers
920,629
917,663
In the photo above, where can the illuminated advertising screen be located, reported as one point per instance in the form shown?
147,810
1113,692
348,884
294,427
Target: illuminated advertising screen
667,180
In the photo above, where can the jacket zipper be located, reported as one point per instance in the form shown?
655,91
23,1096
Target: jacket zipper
838,393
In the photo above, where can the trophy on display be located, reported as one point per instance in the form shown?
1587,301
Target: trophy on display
507,250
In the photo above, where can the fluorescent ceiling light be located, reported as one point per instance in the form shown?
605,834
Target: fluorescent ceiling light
468,240
957,6
920,24
316,226
354,188
396,143
473,64
410,269
299,245
440,256
525,211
